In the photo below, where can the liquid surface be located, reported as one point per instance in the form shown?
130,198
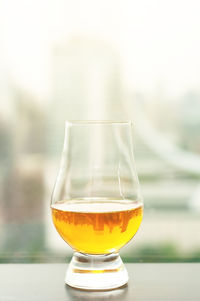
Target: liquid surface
97,227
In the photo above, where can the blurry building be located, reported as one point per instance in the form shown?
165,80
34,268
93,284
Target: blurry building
86,84
23,183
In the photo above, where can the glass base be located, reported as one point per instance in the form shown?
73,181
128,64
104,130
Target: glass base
96,272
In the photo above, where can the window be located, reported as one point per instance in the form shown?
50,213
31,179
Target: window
100,60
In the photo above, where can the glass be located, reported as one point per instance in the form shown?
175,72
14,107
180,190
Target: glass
96,202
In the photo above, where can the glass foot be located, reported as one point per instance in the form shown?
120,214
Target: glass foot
96,272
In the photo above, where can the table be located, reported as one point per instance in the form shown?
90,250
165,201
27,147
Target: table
166,282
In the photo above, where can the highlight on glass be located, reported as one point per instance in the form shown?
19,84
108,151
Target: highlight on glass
96,203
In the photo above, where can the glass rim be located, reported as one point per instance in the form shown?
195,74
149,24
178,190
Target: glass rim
86,122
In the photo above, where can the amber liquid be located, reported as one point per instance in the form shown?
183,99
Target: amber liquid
97,227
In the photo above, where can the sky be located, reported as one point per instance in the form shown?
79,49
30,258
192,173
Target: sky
158,42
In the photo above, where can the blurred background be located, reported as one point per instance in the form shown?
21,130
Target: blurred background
89,59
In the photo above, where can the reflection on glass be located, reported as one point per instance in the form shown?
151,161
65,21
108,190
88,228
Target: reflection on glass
115,295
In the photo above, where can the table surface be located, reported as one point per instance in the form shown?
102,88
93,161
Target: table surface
147,282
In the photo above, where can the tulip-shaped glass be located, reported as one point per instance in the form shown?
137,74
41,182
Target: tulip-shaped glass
96,202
